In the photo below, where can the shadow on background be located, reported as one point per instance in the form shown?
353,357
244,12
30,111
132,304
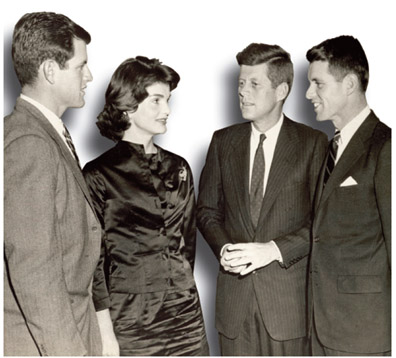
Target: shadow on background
206,268
232,109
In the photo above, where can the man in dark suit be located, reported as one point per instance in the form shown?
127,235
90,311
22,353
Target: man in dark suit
256,194
350,286
51,234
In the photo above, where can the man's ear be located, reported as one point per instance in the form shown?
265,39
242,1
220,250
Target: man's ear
48,68
282,91
352,83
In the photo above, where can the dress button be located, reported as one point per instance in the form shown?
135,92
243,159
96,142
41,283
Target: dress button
94,228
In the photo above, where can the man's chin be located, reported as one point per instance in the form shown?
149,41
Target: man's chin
246,116
78,105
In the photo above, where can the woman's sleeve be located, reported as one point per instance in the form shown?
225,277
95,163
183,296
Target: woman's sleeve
97,189
189,223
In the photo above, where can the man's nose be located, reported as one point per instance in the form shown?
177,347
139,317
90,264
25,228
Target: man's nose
310,92
88,75
242,90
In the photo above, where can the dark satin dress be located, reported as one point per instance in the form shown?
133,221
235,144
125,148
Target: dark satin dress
146,205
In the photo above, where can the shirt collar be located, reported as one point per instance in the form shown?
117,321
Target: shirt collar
350,129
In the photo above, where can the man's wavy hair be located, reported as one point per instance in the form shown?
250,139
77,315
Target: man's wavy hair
127,89
280,66
40,36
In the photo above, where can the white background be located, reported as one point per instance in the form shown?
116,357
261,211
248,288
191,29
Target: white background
200,39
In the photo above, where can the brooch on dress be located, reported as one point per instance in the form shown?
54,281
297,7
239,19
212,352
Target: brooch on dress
183,174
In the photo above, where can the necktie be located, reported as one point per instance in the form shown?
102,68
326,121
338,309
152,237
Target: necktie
70,144
257,182
332,156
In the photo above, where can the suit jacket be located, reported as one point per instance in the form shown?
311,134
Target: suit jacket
351,251
224,217
51,243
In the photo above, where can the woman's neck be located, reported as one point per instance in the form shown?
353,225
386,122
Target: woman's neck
147,142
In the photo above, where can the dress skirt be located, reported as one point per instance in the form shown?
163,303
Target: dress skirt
159,324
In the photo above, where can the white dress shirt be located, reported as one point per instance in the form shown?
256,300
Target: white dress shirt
349,130
55,121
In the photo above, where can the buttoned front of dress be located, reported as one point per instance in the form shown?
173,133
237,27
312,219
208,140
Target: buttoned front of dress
146,205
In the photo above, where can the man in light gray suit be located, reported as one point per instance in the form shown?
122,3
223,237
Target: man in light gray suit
52,237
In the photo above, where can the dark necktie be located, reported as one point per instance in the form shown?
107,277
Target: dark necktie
333,148
257,182
70,144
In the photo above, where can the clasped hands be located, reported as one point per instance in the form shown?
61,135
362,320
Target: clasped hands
245,258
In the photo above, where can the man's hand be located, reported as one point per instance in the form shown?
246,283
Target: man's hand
229,265
245,258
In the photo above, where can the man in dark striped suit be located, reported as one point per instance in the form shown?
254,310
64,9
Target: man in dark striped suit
254,206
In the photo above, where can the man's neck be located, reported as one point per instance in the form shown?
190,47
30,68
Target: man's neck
265,124
353,111
41,96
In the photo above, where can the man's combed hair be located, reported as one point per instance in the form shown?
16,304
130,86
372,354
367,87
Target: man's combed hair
280,66
345,55
41,36
127,88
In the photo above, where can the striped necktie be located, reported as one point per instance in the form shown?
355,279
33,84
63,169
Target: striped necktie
257,182
331,159
70,144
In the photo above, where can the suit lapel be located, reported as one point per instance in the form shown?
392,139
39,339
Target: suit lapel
71,162
282,163
354,150
239,157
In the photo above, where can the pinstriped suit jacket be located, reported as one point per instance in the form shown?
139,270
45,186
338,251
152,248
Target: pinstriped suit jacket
223,217
51,243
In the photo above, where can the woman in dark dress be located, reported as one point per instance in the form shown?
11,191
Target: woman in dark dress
144,290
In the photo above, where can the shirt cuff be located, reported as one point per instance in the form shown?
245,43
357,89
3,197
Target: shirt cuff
279,257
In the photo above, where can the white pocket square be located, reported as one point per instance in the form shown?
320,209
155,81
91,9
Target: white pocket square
348,182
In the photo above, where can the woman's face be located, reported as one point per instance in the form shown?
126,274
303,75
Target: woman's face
151,115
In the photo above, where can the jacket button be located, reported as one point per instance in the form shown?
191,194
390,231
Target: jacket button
94,228
316,239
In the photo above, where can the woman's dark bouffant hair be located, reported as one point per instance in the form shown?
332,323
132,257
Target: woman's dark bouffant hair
127,88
